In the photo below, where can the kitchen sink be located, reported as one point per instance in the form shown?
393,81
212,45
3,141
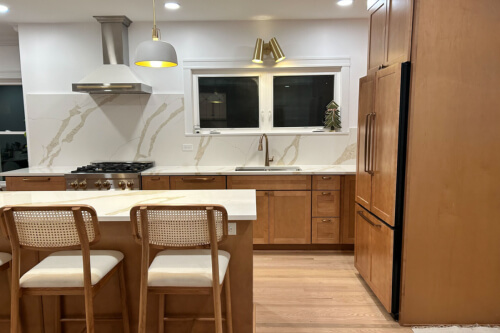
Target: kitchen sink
268,168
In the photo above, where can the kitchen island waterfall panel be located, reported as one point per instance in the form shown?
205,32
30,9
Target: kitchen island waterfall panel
115,206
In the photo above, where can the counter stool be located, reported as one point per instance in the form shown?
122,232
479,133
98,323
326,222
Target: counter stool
75,271
192,263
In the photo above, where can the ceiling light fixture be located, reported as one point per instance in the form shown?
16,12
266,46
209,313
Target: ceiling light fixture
4,9
344,3
172,5
262,49
155,53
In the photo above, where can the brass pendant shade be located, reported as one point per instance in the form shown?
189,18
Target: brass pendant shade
155,53
262,49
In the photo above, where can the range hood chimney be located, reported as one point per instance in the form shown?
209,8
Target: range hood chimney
114,77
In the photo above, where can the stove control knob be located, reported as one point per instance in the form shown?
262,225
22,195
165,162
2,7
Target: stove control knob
74,184
122,184
107,184
83,184
130,184
98,184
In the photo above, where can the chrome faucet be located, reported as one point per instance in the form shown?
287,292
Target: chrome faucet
267,149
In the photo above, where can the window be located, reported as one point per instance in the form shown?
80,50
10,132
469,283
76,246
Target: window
249,99
13,148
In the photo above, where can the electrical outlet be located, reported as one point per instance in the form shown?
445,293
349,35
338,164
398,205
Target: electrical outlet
187,147
231,229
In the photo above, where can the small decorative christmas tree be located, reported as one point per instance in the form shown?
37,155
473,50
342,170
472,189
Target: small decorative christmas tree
332,117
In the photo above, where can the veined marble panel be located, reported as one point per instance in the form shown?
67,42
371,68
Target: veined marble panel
75,129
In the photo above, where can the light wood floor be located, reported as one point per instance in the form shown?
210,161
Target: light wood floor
315,292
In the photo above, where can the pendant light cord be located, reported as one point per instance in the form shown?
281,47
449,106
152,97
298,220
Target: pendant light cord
155,30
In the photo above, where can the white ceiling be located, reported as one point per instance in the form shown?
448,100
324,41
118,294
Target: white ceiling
38,11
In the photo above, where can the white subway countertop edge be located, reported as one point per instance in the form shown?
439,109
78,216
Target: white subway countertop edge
230,170
116,205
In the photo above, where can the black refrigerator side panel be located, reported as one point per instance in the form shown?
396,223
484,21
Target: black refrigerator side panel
400,187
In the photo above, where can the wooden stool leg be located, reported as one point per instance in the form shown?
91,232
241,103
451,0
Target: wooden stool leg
9,280
217,306
89,310
57,316
229,311
161,314
15,320
123,296
143,301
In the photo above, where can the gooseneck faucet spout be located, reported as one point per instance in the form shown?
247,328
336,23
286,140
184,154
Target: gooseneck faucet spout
267,149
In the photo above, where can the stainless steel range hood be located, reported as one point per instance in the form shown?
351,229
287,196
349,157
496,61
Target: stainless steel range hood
114,77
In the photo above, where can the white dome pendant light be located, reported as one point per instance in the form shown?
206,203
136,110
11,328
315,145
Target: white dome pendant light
155,53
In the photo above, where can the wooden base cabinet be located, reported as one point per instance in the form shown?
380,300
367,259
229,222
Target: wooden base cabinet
35,183
261,225
155,182
373,256
290,217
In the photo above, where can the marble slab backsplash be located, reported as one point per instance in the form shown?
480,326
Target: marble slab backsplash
75,129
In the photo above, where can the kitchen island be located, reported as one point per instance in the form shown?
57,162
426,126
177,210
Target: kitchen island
112,209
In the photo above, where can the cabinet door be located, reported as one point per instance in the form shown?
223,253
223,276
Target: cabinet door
385,145
362,256
376,40
366,107
399,27
382,245
155,183
261,225
290,217
197,182
347,210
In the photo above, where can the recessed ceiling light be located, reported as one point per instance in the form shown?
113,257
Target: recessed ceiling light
4,9
172,5
344,2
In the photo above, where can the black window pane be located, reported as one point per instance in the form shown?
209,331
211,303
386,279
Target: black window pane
13,152
301,101
11,108
229,102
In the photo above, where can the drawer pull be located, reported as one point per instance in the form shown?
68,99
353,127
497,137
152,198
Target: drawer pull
326,193
198,179
155,179
36,180
326,178
360,213
326,220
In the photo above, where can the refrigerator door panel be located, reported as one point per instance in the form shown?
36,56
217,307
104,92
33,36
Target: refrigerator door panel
385,131
366,104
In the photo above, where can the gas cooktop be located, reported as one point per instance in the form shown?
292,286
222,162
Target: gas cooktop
114,167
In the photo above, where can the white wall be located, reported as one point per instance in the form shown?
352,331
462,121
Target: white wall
53,56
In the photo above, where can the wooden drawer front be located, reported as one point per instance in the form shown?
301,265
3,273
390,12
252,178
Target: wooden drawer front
326,182
325,231
197,182
269,182
35,183
155,183
325,203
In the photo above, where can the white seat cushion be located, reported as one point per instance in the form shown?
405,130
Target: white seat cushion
185,268
65,269
4,258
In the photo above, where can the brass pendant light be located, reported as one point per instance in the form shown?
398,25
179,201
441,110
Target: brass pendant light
155,53
262,49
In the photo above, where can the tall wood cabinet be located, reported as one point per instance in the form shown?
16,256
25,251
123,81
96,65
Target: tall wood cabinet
390,33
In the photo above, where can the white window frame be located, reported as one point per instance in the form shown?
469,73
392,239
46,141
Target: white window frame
193,69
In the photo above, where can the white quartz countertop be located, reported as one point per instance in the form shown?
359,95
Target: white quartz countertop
116,205
193,170
39,171
230,170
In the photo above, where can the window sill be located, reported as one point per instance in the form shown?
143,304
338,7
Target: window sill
270,133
